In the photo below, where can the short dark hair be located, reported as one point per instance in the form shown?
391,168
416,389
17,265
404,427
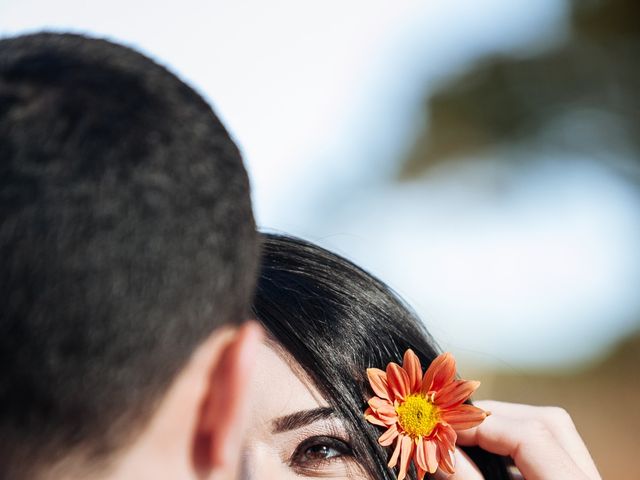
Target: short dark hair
126,238
336,320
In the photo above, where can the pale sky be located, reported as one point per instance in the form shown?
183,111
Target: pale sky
323,98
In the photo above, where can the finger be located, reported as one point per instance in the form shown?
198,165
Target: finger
534,449
465,469
558,421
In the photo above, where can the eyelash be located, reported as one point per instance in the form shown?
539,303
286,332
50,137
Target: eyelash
299,462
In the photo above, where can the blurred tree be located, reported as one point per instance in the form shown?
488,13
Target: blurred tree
581,97
594,75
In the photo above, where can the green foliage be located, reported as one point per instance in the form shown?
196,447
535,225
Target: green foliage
509,100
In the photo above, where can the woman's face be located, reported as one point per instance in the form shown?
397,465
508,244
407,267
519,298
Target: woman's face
292,431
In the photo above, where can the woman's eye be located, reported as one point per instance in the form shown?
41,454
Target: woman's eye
320,452
319,449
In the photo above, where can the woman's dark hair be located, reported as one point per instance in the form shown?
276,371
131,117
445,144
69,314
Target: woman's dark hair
336,321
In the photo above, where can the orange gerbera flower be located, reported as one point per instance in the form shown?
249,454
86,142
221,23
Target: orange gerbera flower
422,413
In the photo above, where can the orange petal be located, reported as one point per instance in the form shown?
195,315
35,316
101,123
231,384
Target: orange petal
389,436
378,381
446,460
463,416
421,460
426,455
406,452
377,403
411,365
383,410
431,455
447,436
370,416
420,473
387,420
455,393
398,381
441,372
394,458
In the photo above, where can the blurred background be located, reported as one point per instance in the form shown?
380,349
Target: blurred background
481,157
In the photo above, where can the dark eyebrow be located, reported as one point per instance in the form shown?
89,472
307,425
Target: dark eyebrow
300,419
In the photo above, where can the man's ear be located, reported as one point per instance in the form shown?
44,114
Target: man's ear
221,424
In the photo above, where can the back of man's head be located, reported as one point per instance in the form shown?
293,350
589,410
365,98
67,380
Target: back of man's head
126,238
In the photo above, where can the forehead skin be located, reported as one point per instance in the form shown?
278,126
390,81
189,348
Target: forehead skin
280,388
277,388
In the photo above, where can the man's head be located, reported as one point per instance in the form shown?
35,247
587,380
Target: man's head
126,240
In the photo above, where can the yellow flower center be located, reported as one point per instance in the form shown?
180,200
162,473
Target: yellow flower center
417,415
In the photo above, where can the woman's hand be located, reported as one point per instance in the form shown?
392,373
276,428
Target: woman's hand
542,441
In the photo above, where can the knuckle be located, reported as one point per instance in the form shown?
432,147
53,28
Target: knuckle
558,416
535,428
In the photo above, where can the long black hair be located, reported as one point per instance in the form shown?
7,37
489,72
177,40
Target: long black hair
336,320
